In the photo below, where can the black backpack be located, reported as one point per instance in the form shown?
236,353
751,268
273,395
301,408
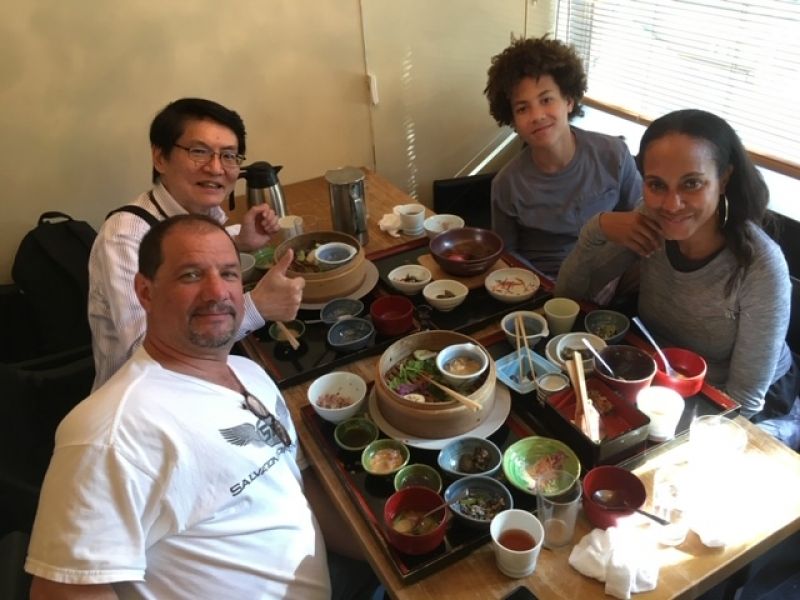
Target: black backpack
51,268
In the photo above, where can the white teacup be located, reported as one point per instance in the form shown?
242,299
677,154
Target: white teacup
412,218
664,407
527,535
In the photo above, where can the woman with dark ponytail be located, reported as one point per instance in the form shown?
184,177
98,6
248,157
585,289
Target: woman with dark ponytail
719,285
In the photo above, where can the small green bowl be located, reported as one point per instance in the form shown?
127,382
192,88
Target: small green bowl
384,447
297,326
265,257
532,456
419,475
355,434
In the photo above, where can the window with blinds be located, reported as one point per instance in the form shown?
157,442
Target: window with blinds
737,58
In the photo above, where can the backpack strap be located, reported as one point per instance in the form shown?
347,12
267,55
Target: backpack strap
134,210
150,218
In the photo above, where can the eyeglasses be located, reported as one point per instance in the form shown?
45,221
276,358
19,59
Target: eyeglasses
255,406
202,156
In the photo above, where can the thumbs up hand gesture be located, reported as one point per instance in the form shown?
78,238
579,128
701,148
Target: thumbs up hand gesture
277,297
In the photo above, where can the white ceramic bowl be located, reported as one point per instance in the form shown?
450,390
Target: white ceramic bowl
535,327
409,279
512,285
573,341
468,351
334,254
341,383
445,294
438,223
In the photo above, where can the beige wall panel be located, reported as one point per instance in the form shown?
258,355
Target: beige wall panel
430,58
83,79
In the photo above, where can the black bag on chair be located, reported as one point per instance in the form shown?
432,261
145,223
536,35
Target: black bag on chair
51,268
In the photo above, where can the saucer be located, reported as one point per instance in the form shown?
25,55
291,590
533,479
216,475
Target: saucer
416,232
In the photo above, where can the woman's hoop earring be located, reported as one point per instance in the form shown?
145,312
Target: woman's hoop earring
722,210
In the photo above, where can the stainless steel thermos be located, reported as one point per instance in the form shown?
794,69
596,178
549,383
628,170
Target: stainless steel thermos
263,186
348,202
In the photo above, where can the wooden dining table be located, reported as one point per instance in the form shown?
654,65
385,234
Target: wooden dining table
767,467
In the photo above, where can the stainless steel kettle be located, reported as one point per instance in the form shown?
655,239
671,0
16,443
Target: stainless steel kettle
263,186
348,203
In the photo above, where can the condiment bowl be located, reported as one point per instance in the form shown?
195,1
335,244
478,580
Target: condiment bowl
445,294
535,327
392,315
461,364
385,457
633,369
531,457
340,388
466,251
574,342
508,368
609,325
485,497
438,223
511,285
340,308
609,477
351,334
334,254
409,279
691,368
470,456
353,435
414,502
297,327
418,474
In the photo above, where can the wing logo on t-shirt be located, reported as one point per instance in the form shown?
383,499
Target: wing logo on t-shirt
266,431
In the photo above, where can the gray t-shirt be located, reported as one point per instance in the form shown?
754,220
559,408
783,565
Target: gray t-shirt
539,215
741,336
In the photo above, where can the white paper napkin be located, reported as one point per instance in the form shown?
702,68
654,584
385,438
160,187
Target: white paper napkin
390,223
623,558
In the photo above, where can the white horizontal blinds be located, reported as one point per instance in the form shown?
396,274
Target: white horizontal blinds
737,58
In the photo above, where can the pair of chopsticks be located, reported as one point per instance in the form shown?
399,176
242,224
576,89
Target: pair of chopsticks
288,335
468,402
521,337
586,416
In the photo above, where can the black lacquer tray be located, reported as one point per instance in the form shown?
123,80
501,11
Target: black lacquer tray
315,357
370,494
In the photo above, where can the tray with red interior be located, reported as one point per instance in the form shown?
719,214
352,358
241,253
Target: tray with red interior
369,493
622,425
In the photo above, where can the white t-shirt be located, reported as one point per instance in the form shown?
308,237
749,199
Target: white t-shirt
168,487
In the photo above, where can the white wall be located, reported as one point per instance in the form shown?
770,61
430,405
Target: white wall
82,79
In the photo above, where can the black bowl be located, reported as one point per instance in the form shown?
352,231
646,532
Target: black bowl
466,251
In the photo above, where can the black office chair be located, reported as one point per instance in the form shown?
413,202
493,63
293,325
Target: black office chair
468,197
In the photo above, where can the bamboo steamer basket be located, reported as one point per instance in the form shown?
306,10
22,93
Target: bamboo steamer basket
432,420
326,285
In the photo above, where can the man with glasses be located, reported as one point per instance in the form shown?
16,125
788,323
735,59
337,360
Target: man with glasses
181,477
197,147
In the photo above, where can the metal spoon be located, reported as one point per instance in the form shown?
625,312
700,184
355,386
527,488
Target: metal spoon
433,511
667,367
616,500
599,358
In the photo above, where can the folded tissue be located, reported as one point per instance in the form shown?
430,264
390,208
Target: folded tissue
390,223
623,558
